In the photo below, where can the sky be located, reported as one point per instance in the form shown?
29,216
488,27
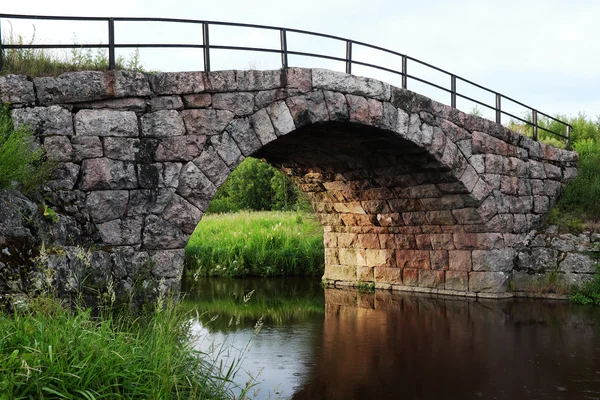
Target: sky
543,53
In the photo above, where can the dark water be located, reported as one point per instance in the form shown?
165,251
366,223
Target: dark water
337,344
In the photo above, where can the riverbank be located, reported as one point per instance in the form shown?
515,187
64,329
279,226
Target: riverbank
48,350
265,244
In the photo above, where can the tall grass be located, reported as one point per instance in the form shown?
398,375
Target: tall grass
48,62
263,244
48,351
22,161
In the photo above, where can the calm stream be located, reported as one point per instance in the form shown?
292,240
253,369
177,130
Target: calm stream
341,344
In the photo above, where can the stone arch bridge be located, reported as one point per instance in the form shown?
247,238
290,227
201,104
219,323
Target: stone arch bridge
412,194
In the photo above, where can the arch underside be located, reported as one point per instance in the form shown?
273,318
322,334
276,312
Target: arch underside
386,204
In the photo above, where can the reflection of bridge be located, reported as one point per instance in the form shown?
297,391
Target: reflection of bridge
410,192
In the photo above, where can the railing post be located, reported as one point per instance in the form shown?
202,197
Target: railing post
534,120
348,56
568,137
111,43
453,91
404,72
498,108
284,55
206,49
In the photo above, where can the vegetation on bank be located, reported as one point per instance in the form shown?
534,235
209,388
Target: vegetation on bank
50,351
264,244
45,62
22,161
256,185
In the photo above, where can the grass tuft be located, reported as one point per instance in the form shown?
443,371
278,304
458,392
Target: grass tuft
265,244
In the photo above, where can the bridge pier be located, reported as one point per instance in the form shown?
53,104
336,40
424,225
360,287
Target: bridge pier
411,193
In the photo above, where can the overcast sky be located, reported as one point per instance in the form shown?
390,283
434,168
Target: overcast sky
544,53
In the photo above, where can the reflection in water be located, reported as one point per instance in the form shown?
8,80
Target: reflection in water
383,345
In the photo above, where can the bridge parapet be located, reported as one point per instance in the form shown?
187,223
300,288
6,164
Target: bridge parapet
412,193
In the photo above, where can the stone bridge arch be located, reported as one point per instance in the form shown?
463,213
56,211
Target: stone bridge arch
411,193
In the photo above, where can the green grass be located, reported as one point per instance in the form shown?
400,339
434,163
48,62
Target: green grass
48,351
44,62
265,244
22,161
589,293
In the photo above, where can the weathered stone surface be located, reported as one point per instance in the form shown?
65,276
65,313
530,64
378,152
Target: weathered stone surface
258,80
243,135
16,89
179,148
58,148
282,120
195,187
164,83
86,147
261,123
211,164
493,260
431,279
118,148
200,100
121,232
162,123
460,260
53,120
579,263
168,263
537,259
206,122
125,104
227,149
182,214
340,82
490,282
103,173
166,103
308,108
388,275
240,104
341,273
144,202
64,176
159,175
106,205
161,234
106,123
457,280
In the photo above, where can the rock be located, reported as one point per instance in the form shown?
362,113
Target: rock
539,259
180,148
212,166
195,187
104,173
58,148
261,123
182,214
258,80
64,176
206,122
227,149
239,103
86,147
144,202
121,232
16,89
337,107
243,135
457,280
48,121
281,118
161,234
493,260
308,108
201,100
123,149
490,282
166,103
164,83
106,123
350,84
162,123
578,263
106,205
168,264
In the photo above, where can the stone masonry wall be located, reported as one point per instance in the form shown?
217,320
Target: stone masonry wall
411,193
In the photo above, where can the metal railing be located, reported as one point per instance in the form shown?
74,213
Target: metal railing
285,51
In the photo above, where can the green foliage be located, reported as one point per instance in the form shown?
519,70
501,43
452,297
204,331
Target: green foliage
22,161
47,62
589,293
255,185
257,244
48,351
366,287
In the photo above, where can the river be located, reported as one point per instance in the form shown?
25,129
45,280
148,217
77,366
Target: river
315,343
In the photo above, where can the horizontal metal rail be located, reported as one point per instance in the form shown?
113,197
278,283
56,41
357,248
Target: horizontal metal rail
285,51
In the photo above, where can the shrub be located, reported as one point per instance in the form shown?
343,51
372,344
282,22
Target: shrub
22,160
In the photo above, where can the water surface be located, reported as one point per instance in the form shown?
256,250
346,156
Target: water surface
341,344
